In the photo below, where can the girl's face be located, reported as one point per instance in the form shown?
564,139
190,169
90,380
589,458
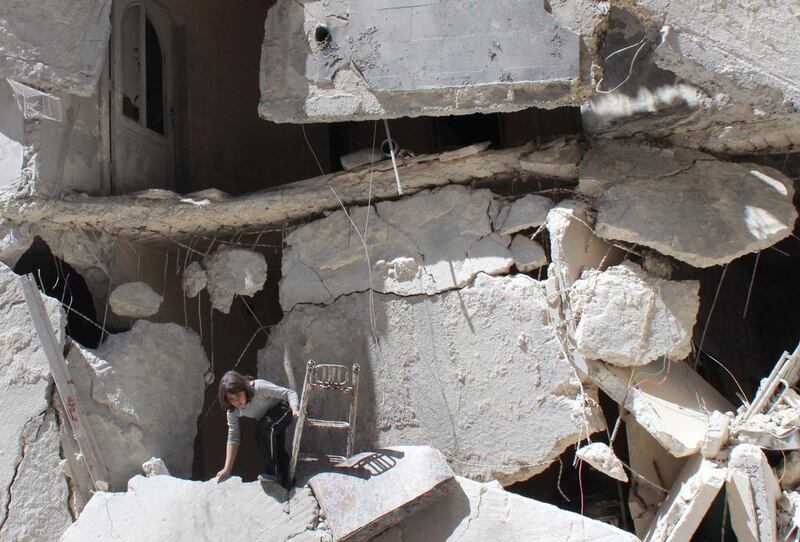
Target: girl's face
237,400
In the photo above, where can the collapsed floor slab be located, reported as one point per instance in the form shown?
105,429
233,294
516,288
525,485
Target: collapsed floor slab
448,370
162,213
166,508
477,512
740,208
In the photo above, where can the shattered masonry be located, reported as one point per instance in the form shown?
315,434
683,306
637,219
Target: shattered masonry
598,221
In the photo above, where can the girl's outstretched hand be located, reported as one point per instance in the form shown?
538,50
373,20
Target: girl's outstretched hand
222,475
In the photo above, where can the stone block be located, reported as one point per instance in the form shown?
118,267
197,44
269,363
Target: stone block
528,255
524,213
385,487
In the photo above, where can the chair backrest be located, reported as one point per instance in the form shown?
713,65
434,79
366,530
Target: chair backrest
331,376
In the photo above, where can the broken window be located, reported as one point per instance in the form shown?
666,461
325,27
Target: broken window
142,70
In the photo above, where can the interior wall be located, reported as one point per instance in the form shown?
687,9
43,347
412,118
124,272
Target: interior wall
229,146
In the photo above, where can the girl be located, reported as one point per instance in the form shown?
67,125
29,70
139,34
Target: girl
271,405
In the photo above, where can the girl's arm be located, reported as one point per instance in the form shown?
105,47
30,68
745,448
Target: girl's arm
230,457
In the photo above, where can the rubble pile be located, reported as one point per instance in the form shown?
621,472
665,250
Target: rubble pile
521,295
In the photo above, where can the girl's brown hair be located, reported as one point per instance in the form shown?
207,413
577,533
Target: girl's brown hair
233,382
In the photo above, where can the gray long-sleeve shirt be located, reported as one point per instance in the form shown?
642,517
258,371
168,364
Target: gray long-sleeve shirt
266,396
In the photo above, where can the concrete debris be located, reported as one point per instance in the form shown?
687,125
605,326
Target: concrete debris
752,491
463,152
451,368
14,241
777,430
602,457
662,397
67,55
656,470
528,255
445,245
789,516
135,299
573,244
385,487
557,160
628,318
155,467
195,279
789,471
167,508
717,434
131,421
476,511
740,208
524,213
688,501
24,373
343,72
231,272
38,507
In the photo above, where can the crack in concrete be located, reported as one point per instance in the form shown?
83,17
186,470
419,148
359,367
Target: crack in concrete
24,444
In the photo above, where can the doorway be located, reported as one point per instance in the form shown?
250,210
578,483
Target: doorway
142,124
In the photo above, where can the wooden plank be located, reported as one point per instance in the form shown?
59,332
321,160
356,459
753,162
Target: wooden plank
66,387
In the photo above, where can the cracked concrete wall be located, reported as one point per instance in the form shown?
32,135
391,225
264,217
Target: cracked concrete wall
28,444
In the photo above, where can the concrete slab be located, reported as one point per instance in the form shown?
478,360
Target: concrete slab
752,491
381,490
688,501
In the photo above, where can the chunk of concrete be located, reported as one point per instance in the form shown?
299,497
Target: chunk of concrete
753,492
717,435
789,516
477,512
384,488
449,370
528,255
789,471
662,397
142,391
24,373
557,160
360,158
155,467
653,472
602,457
194,280
38,499
740,208
66,54
167,508
231,272
628,318
688,501
135,299
424,244
365,63
573,243
524,213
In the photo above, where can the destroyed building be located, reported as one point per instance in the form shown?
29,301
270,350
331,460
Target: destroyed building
559,238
